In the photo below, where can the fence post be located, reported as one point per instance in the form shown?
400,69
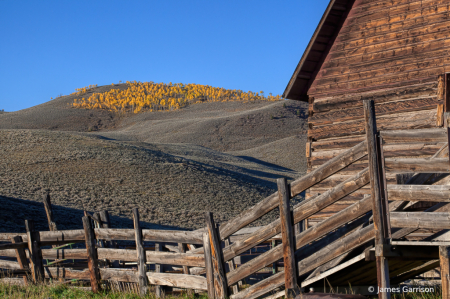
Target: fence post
208,265
445,270
182,248
49,212
158,269
89,235
37,266
21,257
379,206
142,267
220,279
287,235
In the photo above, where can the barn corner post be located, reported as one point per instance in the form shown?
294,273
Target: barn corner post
94,270
141,257
287,234
379,200
220,279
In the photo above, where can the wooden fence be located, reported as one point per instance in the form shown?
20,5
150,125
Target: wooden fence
371,225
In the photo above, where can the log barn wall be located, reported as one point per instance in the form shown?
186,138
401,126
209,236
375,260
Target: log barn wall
394,52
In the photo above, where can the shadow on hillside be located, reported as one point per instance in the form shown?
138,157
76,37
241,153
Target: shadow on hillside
15,211
261,162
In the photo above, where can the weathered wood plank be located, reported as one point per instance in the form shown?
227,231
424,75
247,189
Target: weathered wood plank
418,220
58,254
94,272
21,257
444,258
336,116
141,257
411,165
403,121
433,193
9,265
208,265
60,272
379,200
151,235
220,279
123,275
178,280
36,263
157,257
287,235
159,290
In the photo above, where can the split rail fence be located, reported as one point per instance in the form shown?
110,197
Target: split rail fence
376,226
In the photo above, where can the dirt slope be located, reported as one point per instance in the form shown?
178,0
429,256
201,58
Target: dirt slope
219,157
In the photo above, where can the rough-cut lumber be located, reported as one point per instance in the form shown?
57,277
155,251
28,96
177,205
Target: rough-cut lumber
414,136
9,265
336,116
14,245
58,254
220,279
261,287
123,275
49,212
420,220
157,257
140,252
66,273
150,235
301,239
287,235
297,186
301,211
379,96
36,263
402,121
178,280
92,254
208,265
21,257
379,201
408,165
444,258
433,193
159,290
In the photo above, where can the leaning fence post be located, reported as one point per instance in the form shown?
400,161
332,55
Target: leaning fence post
49,212
89,235
208,265
220,279
379,206
287,235
141,258
37,266
21,257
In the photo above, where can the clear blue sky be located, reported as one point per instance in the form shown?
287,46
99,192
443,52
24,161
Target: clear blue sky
51,47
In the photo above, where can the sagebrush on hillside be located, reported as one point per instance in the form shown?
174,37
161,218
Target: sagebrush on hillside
150,96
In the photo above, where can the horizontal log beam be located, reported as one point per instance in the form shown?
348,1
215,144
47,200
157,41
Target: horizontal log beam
64,254
433,193
172,236
408,165
169,258
414,136
420,220
9,265
123,275
66,273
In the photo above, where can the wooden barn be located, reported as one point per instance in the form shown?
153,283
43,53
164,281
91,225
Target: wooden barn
395,52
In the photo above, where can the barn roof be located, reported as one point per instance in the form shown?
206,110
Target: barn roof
317,49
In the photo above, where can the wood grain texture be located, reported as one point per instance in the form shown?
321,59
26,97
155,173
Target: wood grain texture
444,259
220,279
140,252
419,220
94,272
178,280
287,236
36,263
21,257
208,265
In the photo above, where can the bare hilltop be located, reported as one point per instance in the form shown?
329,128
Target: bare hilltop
174,165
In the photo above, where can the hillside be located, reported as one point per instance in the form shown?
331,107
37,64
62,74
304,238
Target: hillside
222,157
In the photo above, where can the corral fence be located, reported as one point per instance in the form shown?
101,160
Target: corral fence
374,227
